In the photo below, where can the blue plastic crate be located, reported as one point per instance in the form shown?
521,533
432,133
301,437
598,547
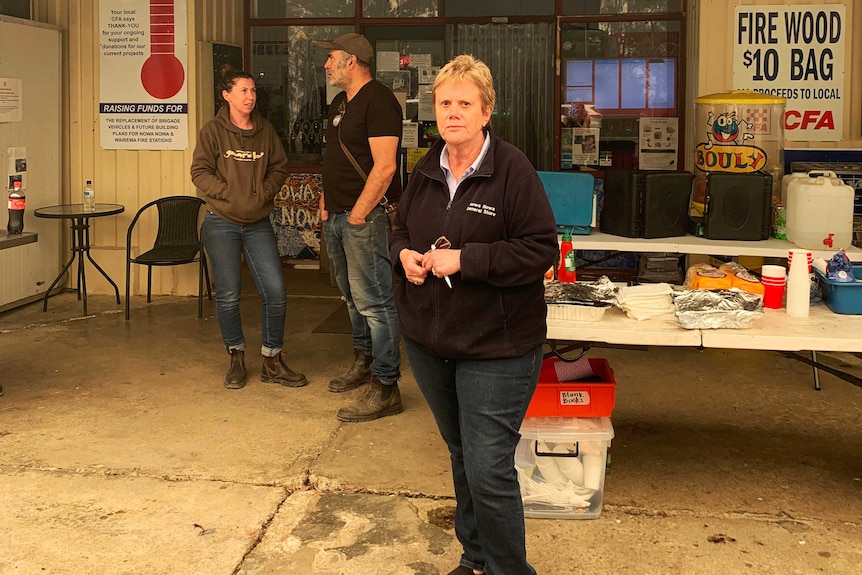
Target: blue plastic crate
842,297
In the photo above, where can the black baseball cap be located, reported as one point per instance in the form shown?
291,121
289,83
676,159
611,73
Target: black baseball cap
352,43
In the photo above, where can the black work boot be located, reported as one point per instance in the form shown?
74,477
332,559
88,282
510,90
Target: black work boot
358,373
235,376
274,370
379,401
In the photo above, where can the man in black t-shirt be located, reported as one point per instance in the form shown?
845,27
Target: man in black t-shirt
361,167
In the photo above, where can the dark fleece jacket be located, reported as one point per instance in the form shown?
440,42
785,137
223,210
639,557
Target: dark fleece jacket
239,175
502,222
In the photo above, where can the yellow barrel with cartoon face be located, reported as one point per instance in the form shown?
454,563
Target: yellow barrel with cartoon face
740,132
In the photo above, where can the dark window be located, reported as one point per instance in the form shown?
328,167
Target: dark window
16,8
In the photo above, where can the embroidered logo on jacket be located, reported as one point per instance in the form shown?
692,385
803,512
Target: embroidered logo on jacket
483,209
243,155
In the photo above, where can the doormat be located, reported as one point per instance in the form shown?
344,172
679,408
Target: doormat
337,322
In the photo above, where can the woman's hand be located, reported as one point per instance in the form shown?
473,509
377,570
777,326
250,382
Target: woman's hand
442,263
411,261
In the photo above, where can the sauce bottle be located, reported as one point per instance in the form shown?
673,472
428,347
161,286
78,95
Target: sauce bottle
566,271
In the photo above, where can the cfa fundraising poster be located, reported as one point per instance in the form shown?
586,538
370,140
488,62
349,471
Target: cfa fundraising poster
143,60
796,52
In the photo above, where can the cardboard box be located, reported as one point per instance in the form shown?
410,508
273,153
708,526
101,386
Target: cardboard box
561,464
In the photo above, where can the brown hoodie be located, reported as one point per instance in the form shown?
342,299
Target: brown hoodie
239,175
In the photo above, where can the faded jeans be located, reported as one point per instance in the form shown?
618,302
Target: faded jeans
225,243
359,261
479,406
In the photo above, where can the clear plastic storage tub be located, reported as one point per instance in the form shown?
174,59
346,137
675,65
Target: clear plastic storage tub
561,464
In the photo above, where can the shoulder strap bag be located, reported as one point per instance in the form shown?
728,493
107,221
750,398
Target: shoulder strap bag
388,207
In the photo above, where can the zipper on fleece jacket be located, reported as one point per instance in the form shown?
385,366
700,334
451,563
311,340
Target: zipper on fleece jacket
242,147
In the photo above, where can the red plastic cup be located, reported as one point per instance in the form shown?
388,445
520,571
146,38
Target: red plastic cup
773,293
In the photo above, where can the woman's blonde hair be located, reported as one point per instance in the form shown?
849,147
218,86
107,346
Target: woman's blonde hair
466,67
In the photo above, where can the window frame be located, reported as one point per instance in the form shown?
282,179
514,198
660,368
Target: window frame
679,87
359,22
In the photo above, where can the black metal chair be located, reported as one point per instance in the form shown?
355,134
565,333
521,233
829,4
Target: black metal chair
177,242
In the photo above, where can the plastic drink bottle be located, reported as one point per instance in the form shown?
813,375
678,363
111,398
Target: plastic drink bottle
17,199
89,197
566,271
780,221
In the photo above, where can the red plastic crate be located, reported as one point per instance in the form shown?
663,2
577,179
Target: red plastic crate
553,398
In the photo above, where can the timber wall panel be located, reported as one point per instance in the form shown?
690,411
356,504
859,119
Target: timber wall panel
715,41
131,178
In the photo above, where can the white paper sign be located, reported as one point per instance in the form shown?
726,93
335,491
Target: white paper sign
427,74
409,135
420,60
17,169
585,146
388,61
658,143
796,52
11,103
426,107
143,65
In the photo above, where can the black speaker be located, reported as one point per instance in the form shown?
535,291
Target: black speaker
738,206
645,204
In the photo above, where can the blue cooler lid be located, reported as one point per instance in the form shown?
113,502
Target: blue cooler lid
571,197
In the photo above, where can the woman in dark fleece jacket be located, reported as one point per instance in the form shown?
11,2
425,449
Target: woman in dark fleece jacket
239,166
472,308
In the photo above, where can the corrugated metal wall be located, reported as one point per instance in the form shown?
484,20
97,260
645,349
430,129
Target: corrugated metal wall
518,56
131,178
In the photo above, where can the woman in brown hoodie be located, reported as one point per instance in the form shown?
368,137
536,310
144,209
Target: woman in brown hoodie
239,166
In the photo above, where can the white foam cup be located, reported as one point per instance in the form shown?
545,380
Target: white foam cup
570,466
808,256
593,467
798,292
773,272
548,466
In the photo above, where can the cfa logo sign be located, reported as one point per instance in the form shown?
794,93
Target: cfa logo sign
808,119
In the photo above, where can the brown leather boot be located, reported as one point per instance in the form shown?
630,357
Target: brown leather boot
379,401
235,376
274,370
358,373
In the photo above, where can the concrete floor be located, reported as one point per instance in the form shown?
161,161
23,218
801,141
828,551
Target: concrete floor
121,452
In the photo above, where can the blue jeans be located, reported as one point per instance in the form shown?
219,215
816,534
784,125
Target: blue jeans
359,262
479,406
225,243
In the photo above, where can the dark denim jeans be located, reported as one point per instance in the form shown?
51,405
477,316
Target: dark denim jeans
225,243
479,406
359,257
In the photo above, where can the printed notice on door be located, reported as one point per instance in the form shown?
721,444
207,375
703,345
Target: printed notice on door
143,59
11,108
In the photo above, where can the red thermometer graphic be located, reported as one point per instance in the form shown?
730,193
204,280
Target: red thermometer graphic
162,75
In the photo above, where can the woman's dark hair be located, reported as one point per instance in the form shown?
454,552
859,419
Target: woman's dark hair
229,76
